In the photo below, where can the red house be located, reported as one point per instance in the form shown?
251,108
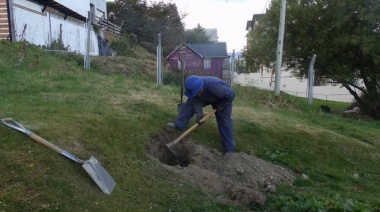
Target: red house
201,59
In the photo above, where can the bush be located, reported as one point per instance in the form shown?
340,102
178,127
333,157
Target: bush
171,77
150,47
122,48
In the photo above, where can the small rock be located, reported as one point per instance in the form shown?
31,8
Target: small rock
304,176
240,171
271,188
356,176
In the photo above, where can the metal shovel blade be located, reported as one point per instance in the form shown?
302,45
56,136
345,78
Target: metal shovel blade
101,177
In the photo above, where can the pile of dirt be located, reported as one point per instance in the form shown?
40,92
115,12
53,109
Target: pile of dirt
238,178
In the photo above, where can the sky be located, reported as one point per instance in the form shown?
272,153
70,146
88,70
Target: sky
229,17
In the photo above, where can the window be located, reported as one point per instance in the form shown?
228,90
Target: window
207,63
179,64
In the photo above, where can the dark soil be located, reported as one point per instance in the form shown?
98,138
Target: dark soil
238,178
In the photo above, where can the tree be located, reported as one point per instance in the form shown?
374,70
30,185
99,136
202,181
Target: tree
130,15
196,35
147,21
112,8
344,34
164,19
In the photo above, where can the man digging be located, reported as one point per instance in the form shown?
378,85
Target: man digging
202,91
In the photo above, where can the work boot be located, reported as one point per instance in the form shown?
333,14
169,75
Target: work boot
227,155
172,125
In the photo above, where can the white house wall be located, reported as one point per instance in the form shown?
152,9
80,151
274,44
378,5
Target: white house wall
25,19
79,6
43,28
101,8
293,86
83,6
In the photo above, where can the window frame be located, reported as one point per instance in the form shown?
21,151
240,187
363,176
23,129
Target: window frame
207,63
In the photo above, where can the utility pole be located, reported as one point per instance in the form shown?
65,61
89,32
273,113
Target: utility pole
280,44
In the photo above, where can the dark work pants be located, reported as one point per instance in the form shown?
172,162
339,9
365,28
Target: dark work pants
223,118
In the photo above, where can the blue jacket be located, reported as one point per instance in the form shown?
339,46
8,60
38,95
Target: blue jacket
215,92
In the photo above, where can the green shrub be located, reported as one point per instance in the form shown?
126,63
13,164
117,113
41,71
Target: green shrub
122,48
172,77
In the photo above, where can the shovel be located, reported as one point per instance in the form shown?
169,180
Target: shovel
171,144
92,166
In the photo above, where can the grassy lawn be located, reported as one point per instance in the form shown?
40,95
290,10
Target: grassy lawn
112,112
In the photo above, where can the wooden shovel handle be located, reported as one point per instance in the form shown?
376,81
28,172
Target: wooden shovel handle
190,129
45,143
15,125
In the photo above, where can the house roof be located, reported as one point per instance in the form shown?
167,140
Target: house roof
61,8
256,17
210,50
206,50
251,23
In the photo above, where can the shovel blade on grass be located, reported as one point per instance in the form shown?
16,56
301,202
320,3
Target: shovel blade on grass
100,176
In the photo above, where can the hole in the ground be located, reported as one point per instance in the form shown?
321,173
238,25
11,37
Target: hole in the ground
239,176
176,155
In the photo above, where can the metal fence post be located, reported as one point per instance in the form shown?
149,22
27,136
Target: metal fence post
159,60
310,81
11,19
87,54
232,68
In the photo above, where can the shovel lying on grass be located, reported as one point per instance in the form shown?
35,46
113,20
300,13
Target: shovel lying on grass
170,145
96,171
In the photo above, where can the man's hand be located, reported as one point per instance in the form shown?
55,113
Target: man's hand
199,118
199,115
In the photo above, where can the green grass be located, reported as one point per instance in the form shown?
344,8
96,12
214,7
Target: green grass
114,110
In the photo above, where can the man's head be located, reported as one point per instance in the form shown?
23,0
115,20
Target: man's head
193,85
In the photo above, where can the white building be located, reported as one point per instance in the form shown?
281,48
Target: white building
66,23
294,86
